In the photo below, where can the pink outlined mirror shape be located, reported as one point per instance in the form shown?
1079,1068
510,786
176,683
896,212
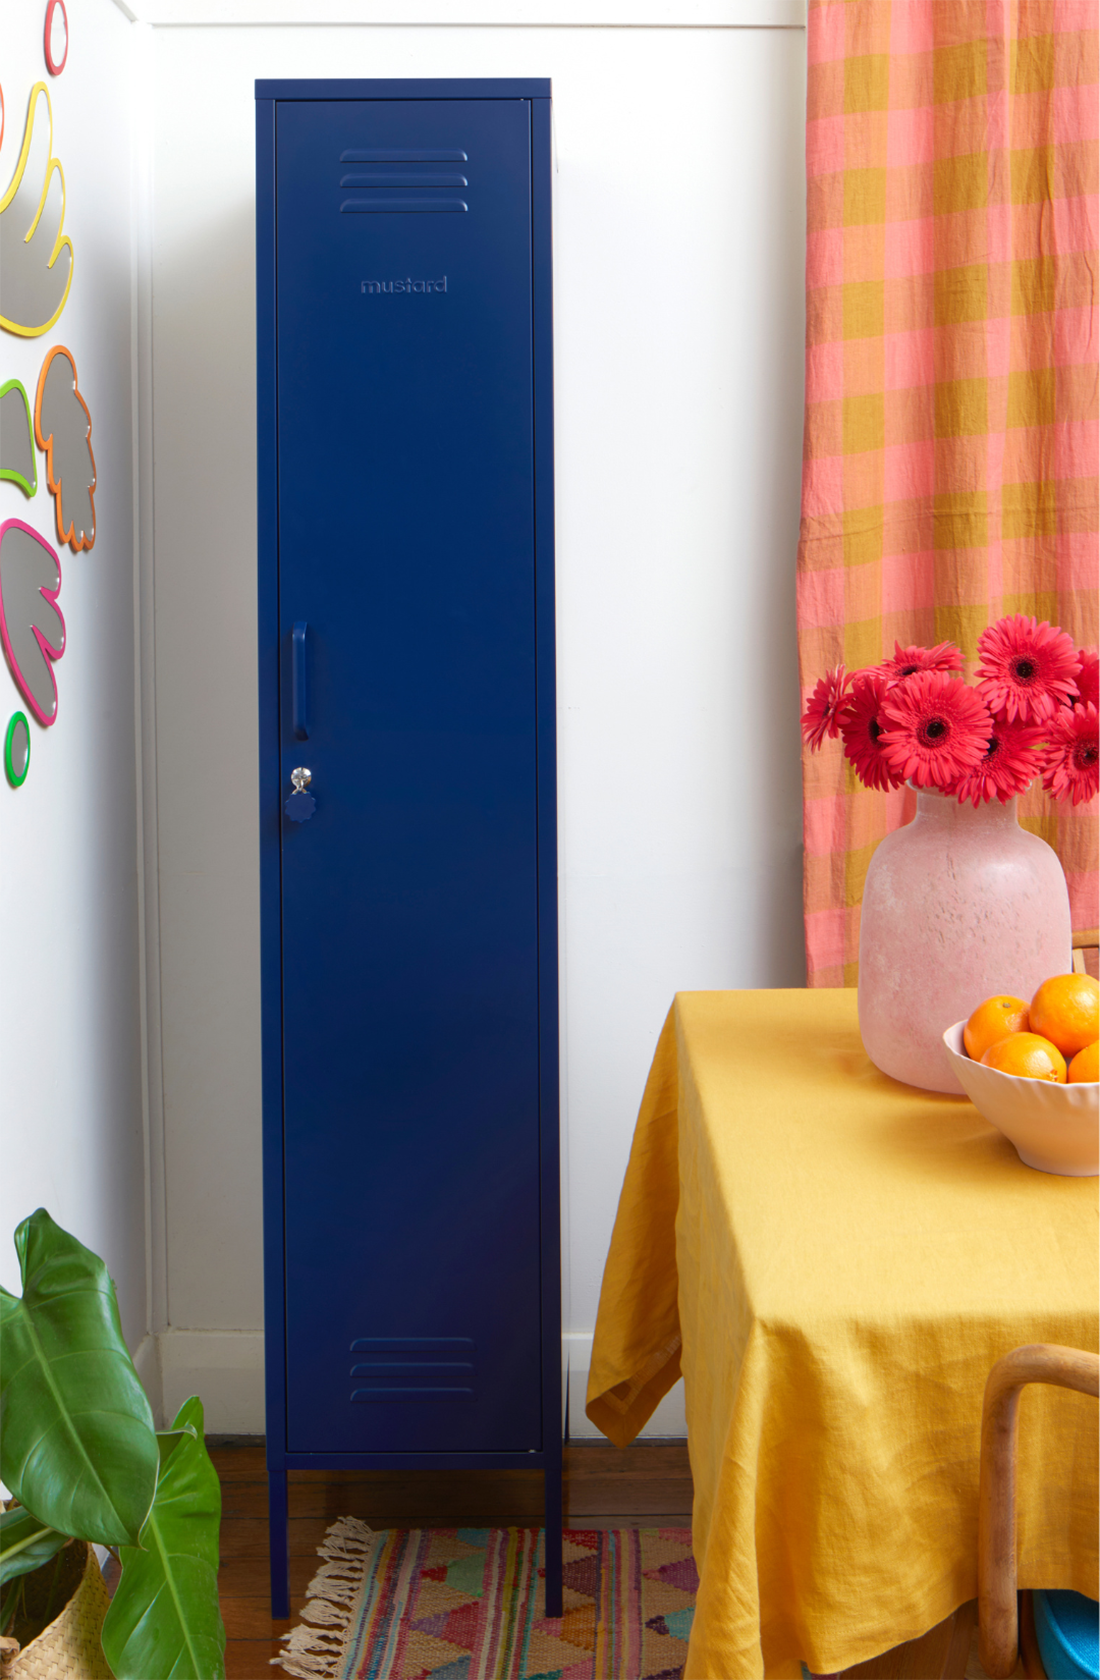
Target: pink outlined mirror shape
53,64
32,628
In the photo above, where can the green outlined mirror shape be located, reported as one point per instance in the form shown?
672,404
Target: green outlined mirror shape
17,460
17,749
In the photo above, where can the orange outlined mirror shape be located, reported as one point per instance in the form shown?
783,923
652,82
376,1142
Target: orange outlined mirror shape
63,430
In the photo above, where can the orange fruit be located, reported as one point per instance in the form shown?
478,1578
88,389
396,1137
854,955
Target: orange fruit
1085,1066
1067,1011
993,1019
1028,1056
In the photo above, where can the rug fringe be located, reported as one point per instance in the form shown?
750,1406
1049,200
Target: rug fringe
313,1652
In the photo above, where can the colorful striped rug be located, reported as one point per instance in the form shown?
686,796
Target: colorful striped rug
467,1604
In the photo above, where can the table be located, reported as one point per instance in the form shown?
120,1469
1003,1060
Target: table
835,1261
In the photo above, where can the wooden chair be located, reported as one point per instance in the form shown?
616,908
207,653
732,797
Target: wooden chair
1001,1631
942,1652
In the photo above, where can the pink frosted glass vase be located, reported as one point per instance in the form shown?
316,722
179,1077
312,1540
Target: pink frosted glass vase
958,905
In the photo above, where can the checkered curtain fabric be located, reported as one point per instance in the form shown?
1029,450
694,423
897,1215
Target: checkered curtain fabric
950,471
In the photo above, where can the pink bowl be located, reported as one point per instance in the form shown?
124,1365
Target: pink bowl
1055,1128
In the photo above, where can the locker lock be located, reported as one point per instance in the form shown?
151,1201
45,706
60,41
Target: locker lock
301,805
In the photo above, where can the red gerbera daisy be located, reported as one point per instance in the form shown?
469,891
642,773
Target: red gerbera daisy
822,716
936,729
1026,668
1072,767
1013,755
1088,678
906,662
861,725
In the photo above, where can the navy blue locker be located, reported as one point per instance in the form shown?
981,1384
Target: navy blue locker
408,862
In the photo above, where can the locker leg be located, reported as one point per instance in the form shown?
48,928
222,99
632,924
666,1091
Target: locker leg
280,1545
552,1553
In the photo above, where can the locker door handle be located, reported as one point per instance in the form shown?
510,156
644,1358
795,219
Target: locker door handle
299,680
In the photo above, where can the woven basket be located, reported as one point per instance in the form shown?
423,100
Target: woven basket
69,1649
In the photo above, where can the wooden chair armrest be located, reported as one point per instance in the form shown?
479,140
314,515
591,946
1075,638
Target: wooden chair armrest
998,1630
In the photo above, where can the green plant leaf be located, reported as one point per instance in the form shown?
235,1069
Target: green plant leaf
164,1619
77,1445
25,1543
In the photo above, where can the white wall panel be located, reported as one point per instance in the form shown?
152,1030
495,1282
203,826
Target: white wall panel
71,1118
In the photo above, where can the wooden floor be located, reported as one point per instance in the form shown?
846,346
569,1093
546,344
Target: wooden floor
648,1485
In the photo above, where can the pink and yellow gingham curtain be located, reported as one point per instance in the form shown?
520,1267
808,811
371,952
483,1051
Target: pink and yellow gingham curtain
950,471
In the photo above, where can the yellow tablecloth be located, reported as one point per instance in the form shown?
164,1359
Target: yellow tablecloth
836,1261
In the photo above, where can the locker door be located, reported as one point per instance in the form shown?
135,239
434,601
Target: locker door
406,548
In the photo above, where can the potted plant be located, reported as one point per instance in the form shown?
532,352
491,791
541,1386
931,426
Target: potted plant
81,1457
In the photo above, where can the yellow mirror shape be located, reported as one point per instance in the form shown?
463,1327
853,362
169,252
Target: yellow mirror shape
36,258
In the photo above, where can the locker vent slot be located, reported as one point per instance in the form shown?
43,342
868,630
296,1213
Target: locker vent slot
407,1368
387,1396
454,1369
386,205
395,178
384,191
402,157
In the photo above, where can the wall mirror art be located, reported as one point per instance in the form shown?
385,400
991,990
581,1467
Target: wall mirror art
31,626
56,41
17,749
17,461
63,429
36,257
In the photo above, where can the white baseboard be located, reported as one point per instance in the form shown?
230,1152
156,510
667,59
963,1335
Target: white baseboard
668,1420
225,1368
146,1357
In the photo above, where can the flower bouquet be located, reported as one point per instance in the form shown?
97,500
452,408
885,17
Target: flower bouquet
1031,712
961,902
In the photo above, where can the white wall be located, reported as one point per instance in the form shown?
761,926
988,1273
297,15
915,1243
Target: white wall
679,279
71,1118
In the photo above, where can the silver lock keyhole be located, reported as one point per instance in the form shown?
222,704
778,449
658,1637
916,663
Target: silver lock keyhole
301,779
